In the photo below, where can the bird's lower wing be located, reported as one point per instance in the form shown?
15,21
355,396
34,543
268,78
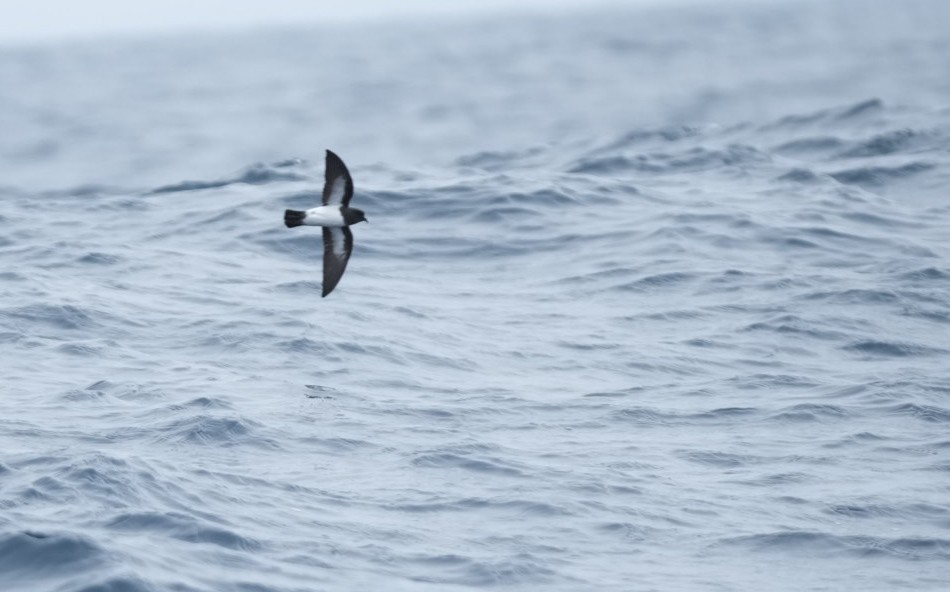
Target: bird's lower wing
337,246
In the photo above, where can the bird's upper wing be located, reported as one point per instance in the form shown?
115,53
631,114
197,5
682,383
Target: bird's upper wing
338,186
337,246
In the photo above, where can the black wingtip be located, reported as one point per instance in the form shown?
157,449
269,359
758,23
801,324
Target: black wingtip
333,157
294,218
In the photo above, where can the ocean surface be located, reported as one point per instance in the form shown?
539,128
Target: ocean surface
651,299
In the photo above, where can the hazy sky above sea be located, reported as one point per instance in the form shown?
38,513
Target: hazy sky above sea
41,20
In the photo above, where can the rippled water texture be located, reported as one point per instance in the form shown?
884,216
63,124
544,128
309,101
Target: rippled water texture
650,300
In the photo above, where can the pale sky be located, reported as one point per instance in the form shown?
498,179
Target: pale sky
43,20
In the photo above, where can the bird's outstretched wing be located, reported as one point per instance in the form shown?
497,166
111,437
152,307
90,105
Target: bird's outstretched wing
338,185
337,246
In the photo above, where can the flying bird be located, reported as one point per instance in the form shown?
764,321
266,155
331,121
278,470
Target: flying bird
335,216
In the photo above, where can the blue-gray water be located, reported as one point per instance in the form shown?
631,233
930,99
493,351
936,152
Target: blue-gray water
649,300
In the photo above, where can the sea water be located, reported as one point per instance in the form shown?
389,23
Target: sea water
651,299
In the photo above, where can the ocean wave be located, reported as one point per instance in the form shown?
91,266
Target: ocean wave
255,174
882,144
64,316
847,113
49,558
810,145
811,412
522,569
692,160
646,417
211,430
818,543
880,176
892,349
181,527
119,583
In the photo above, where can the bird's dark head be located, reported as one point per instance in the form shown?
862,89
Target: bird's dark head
353,215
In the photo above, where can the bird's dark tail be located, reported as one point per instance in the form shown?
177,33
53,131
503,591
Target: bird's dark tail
294,218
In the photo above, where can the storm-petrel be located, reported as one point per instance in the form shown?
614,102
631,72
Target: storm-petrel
335,216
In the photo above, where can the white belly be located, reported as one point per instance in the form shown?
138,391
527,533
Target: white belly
324,216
